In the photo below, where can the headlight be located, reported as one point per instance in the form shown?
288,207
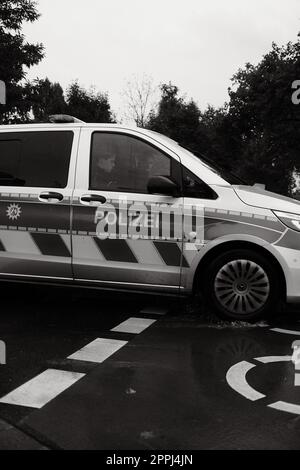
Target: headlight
290,220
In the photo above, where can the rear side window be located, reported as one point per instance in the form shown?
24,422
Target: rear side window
35,159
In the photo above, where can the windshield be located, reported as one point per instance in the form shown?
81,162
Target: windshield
224,173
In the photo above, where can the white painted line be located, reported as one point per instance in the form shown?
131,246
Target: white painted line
98,350
134,325
297,380
284,406
286,332
42,388
236,378
154,311
268,359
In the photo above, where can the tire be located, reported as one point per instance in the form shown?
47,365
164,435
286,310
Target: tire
242,285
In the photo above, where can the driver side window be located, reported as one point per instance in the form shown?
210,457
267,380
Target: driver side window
123,163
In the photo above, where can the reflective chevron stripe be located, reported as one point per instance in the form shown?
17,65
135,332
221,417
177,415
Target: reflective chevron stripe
51,244
34,244
135,252
116,250
145,252
171,254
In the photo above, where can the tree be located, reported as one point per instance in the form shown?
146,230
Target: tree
264,119
89,106
175,117
139,100
15,55
46,98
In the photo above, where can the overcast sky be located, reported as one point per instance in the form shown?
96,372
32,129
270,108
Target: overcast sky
196,44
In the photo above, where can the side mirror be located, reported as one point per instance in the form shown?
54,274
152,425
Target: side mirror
163,185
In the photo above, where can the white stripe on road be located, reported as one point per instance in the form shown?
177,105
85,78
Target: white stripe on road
236,378
297,380
284,406
286,332
154,311
134,325
268,359
98,350
42,389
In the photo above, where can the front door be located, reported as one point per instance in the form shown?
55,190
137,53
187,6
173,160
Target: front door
122,235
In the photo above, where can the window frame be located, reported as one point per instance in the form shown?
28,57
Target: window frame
175,165
15,135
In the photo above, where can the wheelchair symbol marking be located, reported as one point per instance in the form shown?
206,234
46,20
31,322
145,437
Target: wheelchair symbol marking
286,332
236,379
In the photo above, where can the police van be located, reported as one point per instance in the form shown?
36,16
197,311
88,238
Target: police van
113,207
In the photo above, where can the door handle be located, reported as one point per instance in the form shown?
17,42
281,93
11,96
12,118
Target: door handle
51,195
92,198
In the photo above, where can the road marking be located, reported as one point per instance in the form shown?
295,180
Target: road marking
134,325
284,406
236,378
286,332
154,311
42,388
268,359
98,350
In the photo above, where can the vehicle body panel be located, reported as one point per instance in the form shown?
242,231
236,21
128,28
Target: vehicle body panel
58,241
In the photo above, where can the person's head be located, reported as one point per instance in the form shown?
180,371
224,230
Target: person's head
107,162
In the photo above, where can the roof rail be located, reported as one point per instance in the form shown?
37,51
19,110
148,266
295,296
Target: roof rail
63,119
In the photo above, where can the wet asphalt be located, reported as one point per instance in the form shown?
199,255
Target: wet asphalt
166,389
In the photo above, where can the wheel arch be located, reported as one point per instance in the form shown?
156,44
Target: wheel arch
234,245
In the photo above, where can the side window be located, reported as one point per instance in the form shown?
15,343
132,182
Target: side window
35,159
124,163
196,188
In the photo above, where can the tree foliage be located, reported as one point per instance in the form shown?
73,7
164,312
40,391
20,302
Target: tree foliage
264,119
15,55
256,134
89,106
175,117
46,98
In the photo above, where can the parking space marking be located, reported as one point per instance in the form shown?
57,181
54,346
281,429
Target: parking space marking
154,311
98,350
42,388
286,332
268,359
285,406
134,325
236,378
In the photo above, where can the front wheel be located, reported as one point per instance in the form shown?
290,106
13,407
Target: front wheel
242,285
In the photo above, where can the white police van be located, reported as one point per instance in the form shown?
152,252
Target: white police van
125,208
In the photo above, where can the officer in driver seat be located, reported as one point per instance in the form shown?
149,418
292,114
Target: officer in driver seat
103,176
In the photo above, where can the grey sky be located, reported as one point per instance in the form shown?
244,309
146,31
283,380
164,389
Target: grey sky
196,44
